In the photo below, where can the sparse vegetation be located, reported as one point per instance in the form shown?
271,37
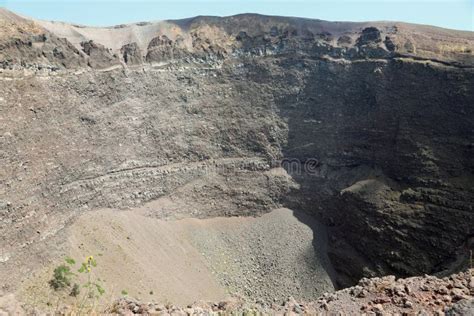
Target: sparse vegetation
61,277
63,285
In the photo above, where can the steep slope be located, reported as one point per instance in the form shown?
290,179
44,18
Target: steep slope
373,122
25,44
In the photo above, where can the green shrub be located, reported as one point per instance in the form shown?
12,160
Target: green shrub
61,277
63,280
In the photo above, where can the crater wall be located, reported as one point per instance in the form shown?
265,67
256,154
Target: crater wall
202,112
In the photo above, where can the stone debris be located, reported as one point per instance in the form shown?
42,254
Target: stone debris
383,296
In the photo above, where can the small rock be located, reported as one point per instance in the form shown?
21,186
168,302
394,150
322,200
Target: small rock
378,308
297,309
362,293
424,287
399,290
442,290
382,300
457,292
324,306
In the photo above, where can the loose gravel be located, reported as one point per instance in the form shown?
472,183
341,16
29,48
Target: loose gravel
267,259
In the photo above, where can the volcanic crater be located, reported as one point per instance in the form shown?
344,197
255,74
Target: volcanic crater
253,156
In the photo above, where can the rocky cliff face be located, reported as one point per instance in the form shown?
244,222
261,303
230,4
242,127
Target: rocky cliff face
374,123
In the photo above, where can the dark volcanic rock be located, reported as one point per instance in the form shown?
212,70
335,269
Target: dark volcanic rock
389,43
384,176
369,35
99,55
44,51
162,49
131,54
344,40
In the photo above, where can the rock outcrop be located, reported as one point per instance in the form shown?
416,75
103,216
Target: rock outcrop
131,54
426,295
99,56
25,44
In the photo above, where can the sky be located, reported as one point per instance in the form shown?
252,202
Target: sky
454,14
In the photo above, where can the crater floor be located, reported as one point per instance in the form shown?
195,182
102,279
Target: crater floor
266,259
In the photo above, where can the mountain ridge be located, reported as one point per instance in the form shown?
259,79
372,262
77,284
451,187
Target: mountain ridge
201,36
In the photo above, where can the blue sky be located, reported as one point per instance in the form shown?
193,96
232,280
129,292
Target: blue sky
456,14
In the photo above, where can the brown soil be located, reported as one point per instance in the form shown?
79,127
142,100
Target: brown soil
189,260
